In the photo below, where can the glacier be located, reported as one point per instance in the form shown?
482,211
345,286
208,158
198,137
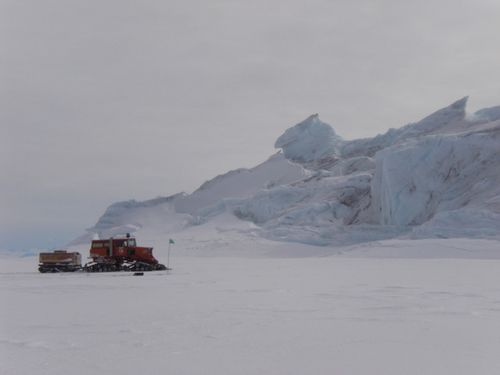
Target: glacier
434,178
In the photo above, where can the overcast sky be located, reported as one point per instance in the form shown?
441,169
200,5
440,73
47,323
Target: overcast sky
110,100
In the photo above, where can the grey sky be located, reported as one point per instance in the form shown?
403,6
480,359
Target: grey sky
113,99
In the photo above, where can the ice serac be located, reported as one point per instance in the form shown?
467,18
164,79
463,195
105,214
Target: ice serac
438,177
488,114
446,120
309,141
312,211
417,180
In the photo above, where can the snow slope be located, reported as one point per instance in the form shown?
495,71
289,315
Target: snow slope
242,183
437,177
175,213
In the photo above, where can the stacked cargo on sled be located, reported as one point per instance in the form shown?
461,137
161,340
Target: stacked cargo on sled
59,261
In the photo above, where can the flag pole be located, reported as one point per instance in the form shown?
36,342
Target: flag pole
170,242
168,255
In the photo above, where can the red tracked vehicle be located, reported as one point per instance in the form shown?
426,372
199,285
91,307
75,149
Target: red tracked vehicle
121,254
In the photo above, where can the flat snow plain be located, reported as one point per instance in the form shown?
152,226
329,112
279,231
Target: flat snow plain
379,308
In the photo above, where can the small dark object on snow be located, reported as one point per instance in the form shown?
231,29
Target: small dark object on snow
138,273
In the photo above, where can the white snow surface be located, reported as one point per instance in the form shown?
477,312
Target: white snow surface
390,307
435,178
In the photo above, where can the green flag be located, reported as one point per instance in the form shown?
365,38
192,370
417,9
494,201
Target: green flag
171,241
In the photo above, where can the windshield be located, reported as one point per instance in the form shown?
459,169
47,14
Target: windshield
131,242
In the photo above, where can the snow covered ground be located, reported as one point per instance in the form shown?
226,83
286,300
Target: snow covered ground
395,288
391,307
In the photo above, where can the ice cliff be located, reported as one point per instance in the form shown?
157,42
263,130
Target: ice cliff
438,177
